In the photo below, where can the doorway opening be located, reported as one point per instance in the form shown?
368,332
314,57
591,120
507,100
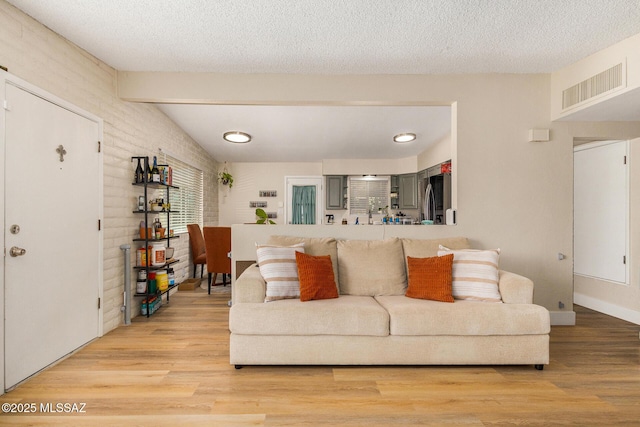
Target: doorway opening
604,214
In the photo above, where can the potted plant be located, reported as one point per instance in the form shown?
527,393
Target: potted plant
225,178
263,218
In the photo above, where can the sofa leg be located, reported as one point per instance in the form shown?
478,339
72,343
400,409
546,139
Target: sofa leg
539,367
238,366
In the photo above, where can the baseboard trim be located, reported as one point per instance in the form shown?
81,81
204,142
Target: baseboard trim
563,318
607,308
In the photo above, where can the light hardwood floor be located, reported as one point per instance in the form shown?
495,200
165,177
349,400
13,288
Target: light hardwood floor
173,370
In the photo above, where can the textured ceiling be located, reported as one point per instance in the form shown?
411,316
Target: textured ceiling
340,37
333,37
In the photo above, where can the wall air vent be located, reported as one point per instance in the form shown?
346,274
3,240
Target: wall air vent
597,85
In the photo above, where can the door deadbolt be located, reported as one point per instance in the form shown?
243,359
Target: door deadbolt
15,229
16,251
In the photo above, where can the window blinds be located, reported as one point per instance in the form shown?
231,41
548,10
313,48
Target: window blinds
368,194
187,200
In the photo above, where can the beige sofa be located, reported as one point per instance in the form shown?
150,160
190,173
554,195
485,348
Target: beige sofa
373,323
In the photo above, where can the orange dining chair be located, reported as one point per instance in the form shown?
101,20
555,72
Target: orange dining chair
217,242
198,251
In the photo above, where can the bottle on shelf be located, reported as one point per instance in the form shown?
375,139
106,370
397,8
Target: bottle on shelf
155,172
152,286
156,226
141,286
141,257
139,176
158,258
148,172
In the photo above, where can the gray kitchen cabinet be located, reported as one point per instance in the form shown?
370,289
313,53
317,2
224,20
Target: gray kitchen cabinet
336,186
434,170
408,191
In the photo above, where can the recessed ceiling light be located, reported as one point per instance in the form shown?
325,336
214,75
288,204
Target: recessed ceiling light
237,137
404,137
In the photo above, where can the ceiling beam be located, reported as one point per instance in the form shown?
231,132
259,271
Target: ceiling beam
280,89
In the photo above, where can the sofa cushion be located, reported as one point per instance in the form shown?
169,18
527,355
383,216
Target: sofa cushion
475,274
410,316
312,246
371,267
430,278
279,269
347,315
316,277
423,248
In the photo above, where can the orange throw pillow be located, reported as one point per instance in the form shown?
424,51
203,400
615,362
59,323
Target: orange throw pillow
316,277
430,278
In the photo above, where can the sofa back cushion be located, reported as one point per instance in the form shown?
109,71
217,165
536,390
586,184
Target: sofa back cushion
315,246
425,248
371,267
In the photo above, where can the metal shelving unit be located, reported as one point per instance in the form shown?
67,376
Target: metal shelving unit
147,185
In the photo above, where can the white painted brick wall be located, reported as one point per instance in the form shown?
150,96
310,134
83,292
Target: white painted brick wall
43,58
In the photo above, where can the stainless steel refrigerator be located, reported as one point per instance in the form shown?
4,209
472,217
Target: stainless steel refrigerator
435,197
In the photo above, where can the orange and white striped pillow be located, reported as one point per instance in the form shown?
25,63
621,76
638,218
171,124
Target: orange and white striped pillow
475,274
279,269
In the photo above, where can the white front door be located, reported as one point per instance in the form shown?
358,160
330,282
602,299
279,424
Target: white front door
52,207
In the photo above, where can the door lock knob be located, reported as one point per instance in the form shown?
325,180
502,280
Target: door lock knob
16,251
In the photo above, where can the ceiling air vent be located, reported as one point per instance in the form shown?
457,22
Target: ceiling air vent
597,85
